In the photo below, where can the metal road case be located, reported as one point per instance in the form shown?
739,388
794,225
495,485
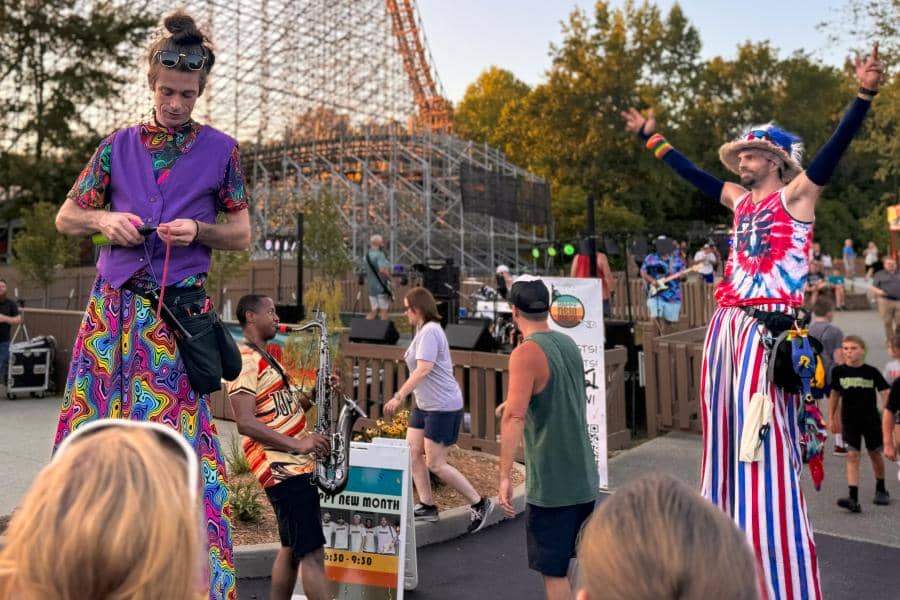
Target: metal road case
30,369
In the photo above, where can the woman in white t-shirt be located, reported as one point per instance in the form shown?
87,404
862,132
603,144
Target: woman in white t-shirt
437,414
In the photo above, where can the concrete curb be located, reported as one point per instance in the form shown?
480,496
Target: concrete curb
255,560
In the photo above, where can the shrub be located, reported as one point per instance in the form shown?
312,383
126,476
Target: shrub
235,459
245,504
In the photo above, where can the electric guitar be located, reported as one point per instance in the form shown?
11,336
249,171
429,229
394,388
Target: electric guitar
662,284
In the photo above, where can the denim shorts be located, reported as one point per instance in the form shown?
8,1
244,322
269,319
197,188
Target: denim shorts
670,311
440,426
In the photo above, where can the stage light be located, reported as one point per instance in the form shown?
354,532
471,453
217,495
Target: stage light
268,244
536,252
569,249
551,250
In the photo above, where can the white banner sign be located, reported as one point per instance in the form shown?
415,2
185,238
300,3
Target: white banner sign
576,309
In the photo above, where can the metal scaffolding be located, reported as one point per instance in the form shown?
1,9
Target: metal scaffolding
341,95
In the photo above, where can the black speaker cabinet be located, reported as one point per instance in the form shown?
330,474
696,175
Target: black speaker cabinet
442,280
373,331
471,335
621,333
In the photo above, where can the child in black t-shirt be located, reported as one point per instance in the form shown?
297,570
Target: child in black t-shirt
856,387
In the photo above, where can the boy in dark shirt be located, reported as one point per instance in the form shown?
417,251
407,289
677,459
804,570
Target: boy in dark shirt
856,387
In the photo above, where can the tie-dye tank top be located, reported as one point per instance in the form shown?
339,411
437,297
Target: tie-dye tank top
768,262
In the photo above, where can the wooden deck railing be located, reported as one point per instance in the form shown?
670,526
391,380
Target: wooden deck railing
372,373
483,378
672,366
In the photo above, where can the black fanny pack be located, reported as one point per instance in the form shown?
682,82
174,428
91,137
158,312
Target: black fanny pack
206,347
782,371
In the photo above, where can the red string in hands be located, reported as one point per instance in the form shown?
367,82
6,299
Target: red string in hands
165,276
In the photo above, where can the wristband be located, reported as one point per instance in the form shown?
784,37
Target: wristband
641,133
658,145
197,234
867,91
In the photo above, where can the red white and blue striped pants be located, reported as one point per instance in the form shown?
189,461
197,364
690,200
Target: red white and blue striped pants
764,497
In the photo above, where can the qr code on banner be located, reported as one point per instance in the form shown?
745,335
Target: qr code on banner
594,435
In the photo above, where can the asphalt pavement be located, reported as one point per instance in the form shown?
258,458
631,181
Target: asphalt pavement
493,564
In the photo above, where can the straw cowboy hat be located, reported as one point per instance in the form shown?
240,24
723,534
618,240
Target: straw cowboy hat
786,147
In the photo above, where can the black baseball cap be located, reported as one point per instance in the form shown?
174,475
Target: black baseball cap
530,295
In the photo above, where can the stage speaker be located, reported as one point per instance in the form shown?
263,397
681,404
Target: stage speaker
472,335
373,331
441,279
621,333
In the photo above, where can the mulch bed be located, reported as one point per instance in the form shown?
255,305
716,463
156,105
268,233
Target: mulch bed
479,469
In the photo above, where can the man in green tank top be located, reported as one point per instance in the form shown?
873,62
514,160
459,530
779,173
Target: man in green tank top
547,405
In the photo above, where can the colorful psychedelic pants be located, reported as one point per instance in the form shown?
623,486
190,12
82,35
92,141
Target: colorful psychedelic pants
125,365
764,498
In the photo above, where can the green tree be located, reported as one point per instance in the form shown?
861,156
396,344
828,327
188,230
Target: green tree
59,57
39,251
325,251
478,115
62,55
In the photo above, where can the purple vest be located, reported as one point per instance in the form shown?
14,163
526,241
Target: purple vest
190,192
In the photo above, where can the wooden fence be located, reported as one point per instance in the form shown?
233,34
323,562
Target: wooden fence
672,366
372,373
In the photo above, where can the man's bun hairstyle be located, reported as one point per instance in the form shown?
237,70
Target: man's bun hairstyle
180,34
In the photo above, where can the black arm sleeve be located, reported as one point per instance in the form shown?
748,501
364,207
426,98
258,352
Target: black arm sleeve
823,164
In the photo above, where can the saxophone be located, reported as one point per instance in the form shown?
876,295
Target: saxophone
333,469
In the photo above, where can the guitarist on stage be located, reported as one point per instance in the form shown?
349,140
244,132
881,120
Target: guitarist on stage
664,304
378,279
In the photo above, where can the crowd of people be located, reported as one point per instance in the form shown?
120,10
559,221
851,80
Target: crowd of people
137,465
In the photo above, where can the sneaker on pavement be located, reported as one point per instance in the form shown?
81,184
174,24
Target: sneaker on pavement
479,516
840,451
850,504
882,498
423,512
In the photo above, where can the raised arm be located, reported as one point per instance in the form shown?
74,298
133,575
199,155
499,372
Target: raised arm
803,192
711,186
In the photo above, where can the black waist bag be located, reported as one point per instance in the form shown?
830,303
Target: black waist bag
781,362
206,347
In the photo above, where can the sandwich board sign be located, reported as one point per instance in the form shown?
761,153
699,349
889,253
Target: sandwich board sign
370,545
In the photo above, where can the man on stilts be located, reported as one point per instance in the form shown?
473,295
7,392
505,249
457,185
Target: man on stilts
774,211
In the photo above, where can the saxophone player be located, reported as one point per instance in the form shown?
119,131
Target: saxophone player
280,445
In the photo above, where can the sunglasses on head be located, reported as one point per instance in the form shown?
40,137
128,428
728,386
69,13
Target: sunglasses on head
165,436
170,59
759,134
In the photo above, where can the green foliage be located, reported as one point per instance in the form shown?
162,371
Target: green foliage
568,128
245,503
235,459
325,250
61,56
323,240
479,112
39,251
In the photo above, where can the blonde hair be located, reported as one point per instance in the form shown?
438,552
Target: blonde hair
119,513
656,539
